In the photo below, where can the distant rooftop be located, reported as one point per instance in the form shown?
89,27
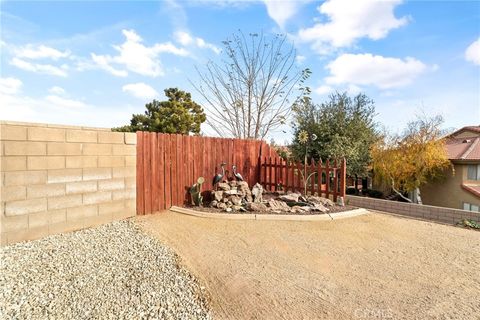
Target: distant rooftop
464,144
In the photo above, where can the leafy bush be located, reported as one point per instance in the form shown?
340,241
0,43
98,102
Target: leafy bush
372,193
350,190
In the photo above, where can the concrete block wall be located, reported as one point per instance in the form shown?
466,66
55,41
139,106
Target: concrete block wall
432,213
62,178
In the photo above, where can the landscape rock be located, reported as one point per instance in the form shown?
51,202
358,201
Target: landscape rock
213,203
218,195
221,205
228,209
242,185
230,192
232,183
319,207
256,206
237,208
224,186
291,197
278,205
236,200
300,209
321,200
257,192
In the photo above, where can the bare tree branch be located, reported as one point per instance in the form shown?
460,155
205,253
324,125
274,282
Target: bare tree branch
251,91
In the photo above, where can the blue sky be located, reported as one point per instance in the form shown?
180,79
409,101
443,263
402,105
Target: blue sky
96,63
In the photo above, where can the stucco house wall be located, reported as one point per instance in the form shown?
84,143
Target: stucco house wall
449,192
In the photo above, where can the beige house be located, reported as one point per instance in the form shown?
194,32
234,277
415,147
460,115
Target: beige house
461,189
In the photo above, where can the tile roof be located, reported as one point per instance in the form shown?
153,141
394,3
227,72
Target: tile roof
464,148
475,190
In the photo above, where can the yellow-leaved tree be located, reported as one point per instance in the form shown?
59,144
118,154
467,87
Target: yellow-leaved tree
411,159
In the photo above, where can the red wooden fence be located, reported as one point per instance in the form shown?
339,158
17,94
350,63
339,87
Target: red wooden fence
169,164
328,180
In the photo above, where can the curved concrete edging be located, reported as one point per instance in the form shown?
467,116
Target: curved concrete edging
277,217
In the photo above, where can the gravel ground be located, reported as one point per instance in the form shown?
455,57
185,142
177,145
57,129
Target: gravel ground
110,272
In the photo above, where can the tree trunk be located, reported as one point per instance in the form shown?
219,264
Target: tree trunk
418,196
399,193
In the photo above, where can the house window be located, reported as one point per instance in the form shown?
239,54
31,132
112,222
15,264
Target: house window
470,207
473,172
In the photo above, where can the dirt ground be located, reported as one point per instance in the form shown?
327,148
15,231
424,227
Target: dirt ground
373,266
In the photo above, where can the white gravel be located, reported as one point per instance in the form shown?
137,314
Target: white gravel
113,271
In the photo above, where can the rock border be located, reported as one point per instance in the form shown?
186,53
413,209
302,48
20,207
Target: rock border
276,217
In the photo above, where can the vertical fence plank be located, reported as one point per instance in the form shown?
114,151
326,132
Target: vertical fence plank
161,171
313,177
139,179
343,178
173,168
335,181
180,170
299,178
270,175
187,179
153,173
167,170
147,162
319,180
287,173
327,179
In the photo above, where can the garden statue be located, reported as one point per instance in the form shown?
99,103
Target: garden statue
196,192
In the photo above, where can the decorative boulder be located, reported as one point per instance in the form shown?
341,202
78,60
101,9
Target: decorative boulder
218,195
319,207
278,205
291,197
257,192
323,201
255,206
224,186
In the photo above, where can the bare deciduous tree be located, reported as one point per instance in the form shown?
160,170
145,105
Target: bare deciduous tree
251,91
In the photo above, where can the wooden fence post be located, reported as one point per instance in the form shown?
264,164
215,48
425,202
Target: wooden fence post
343,178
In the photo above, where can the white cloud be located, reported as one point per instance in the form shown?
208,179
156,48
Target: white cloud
349,21
64,102
186,39
40,68
136,57
56,90
54,109
323,90
379,71
10,85
140,90
103,62
40,52
472,53
282,11
300,59
182,37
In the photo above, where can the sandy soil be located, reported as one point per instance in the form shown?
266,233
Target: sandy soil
373,266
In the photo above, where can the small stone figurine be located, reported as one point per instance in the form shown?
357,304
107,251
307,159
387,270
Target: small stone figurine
196,192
